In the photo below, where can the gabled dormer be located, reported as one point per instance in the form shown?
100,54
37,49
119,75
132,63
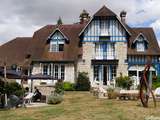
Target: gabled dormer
57,40
105,24
140,43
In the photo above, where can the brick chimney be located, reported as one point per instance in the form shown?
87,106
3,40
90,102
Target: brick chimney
123,16
84,17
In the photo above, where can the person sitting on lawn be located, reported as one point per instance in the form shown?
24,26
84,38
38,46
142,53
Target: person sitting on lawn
37,95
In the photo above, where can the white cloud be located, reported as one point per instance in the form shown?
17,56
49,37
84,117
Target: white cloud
14,28
156,25
24,17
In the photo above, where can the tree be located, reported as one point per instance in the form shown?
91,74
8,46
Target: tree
59,21
2,86
2,92
83,83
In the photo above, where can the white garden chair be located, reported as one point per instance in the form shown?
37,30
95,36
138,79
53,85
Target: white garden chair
157,93
28,98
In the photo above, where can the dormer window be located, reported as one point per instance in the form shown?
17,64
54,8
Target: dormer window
141,43
140,46
56,46
57,41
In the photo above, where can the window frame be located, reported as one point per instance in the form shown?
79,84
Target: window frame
45,69
56,40
141,43
105,50
96,73
140,46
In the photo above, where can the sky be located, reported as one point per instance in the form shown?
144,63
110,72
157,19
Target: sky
20,18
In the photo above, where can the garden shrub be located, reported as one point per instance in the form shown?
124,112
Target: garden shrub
59,87
124,82
156,82
67,86
14,88
55,99
83,83
2,86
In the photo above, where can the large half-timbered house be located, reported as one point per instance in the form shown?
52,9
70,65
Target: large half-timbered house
103,45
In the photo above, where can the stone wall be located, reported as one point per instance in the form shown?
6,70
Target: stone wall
45,89
89,52
69,73
36,70
84,65
121,55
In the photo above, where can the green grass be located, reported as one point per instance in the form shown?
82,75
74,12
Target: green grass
84,106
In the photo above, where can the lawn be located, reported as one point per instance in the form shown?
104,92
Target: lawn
83,106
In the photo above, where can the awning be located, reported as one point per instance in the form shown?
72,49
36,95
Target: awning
139,68
41,77
11,74
104,62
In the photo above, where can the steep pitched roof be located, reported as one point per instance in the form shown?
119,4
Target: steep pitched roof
104,11
153,48
40,48
57,30
15,51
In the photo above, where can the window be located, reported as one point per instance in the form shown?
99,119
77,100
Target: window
53,47
57,42
61,47
105,50
96,73
132,73
56,47
140,46
50,69
113,72
141,43
56,72
110,51
59,71
104,73
45,69
62,72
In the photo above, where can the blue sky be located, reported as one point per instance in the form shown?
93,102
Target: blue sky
24,17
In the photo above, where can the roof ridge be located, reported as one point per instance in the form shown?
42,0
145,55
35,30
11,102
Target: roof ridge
22,37
16,39
104,11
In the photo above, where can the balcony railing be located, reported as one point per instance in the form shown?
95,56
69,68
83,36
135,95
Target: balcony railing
104,56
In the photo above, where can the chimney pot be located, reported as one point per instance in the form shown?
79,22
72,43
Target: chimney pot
123,16
84,16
